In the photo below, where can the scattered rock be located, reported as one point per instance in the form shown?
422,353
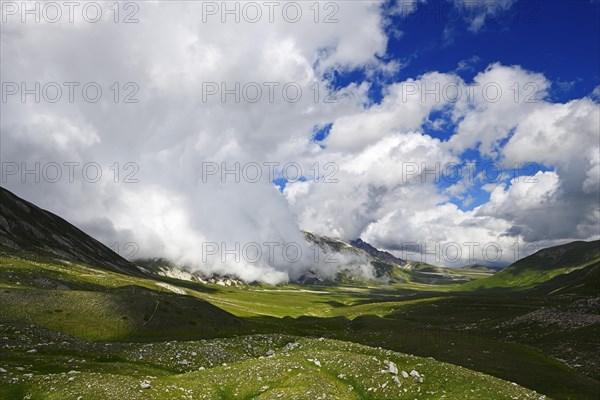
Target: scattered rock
291,346
316,362
32,351
404,374
146,385
391,367
416,376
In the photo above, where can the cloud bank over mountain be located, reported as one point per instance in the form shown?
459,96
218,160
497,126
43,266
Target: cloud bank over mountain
218,97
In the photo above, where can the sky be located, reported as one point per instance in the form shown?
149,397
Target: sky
212,134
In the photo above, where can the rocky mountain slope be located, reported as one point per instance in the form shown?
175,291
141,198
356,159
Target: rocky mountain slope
356,262
360,261
164,267
382,256
29,231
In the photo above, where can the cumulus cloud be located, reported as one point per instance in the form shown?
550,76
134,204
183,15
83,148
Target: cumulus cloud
405,107
381,198
162,140
493,105
370,177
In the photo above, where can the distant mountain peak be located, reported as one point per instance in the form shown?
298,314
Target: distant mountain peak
383,256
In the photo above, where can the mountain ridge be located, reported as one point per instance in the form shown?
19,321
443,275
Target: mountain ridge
26,229
383,256
550,270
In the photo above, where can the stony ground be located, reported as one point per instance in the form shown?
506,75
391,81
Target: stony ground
39,364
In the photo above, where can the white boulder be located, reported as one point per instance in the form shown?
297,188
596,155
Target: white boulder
146,385
391,367
416,376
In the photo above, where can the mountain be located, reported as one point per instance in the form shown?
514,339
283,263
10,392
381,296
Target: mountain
583,281
332,245
340,263
135,335
362,262
54,276
163,267
482,268
31,232
27,230
356,261
348,263
382,256
569,267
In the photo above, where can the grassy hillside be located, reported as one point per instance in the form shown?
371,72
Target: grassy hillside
41,299
471,331
257,367
101,304
554,263
70,327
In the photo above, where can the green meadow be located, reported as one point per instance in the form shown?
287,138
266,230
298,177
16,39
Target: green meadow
70,330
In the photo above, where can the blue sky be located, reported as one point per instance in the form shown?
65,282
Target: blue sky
560,39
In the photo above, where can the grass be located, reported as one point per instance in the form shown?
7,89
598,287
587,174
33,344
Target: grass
120,330
245,367
541,267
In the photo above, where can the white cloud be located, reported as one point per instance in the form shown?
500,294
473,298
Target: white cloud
556,133
405,107
477,12
173,130
501,96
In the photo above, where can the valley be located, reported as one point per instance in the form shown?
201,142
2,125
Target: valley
79,329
